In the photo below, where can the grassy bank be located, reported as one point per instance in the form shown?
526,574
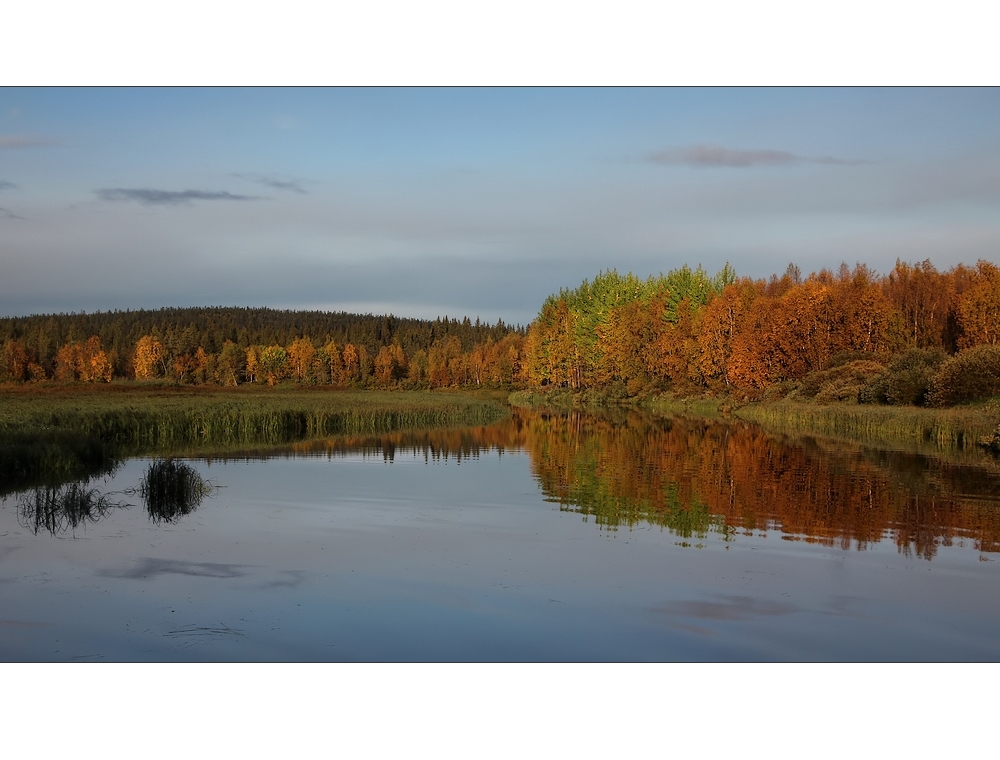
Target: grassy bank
163,414
564,399
964,427
50,430
958,428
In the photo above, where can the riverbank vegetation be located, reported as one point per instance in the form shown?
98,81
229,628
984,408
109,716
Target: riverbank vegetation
914,338
155,414
50,433
929,430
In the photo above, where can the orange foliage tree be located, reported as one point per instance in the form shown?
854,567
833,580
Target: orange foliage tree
978,308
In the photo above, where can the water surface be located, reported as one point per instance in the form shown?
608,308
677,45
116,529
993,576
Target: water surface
545,537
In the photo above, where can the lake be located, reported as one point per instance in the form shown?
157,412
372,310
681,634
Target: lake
545,537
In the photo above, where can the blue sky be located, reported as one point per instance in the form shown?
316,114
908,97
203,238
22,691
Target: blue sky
473,202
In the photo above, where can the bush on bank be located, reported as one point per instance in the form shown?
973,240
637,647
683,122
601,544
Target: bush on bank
970,375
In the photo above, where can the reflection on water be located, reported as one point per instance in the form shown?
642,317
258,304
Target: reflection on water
694,477
172,489
554,537
697,477
62,508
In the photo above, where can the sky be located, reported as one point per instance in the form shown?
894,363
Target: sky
478,202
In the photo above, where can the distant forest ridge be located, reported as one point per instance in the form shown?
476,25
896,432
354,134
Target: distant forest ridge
845,335
184,330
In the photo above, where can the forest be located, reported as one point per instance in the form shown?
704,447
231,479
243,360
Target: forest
915,336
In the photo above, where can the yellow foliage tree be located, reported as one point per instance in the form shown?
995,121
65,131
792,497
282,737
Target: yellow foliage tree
147,360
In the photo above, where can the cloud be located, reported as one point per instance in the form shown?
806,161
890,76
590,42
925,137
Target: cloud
149,197
6,186
7,214
278,183
716,155
24,141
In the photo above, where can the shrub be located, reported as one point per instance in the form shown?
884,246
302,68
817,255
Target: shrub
840,382
969,375
844,383
876,390
910,375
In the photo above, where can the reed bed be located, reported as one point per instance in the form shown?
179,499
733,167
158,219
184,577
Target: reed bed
51,433
958,428
698,407
156,416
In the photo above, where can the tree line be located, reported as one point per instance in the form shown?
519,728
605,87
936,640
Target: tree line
231,345
913,336
849,335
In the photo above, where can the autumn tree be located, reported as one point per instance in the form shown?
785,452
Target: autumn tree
273,364
978,308
230,365
507,363
719,323
922,297
625,341
350,370
98,364
15,362
204,366
444,362
68,362
184,366
675,352
85,361
390,365
329,355
252,364
417,373
552,352
148,358
301,354
478,361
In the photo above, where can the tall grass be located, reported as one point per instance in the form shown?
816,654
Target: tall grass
700,407
152,417
50,434
959,428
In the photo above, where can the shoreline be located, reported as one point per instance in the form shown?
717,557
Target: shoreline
960,428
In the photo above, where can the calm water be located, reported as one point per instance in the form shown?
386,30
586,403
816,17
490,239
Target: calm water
546,538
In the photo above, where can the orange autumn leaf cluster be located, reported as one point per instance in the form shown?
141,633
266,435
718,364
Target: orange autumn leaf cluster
686,331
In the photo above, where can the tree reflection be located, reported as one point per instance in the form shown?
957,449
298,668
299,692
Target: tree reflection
65,507
697,476
692,476
172,489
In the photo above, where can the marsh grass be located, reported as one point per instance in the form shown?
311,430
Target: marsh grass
931,430
928,430
52,433
698,407
144,418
